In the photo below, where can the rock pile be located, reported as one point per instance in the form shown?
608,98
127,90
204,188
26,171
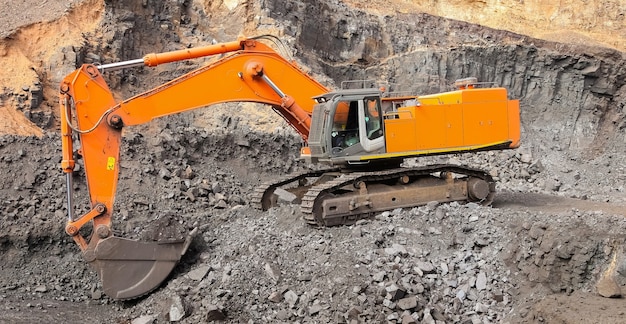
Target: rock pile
434,263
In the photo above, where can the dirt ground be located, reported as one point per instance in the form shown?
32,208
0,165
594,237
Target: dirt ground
556,227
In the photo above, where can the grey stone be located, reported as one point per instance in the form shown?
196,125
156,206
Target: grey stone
481,308
285,196
434,231
220,196
393,317
389,303
526,158
145,319
437,313
498,296
408,319
536,230
472,205
428,318
272,271
396,249
432,205
444,268
472,282
418,288
553,185
481,242
215,313
357,231
198,273
41,289
291,298
379,276
339,318
564,251
30,212
283,315
275,297
426,267
460,294
354,312
188,173
96,294
177,310
92,58
192,193
481,281
165,174
316,308
472,295
407,303
62,63
394,292
221,204
241,141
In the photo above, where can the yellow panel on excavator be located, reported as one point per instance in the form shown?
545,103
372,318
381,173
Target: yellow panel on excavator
400,132
454,121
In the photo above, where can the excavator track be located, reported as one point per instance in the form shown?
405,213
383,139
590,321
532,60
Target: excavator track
359,195
263,196
342,197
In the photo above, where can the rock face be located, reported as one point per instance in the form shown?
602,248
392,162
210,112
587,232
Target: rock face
559,257
576,85
572,84
563,89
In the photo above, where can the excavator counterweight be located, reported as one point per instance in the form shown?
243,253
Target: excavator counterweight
363,134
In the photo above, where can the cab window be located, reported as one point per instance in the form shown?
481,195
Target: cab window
373,118
345,132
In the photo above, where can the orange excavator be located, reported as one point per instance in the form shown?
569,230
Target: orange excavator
362,134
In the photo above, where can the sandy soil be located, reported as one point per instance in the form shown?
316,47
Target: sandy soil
17,14
570,21
31,32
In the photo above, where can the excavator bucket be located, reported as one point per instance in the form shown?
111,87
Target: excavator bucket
130,269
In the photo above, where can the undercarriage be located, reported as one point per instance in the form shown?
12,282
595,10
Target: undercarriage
342,197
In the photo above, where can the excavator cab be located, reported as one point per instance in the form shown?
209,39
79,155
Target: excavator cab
347,124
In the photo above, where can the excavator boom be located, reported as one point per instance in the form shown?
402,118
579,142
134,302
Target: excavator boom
249,72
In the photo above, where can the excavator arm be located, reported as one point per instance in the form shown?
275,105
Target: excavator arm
248,71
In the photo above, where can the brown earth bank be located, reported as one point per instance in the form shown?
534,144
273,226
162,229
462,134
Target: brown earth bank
556,227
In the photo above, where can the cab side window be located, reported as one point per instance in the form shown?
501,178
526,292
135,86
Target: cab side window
345,130
373,119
